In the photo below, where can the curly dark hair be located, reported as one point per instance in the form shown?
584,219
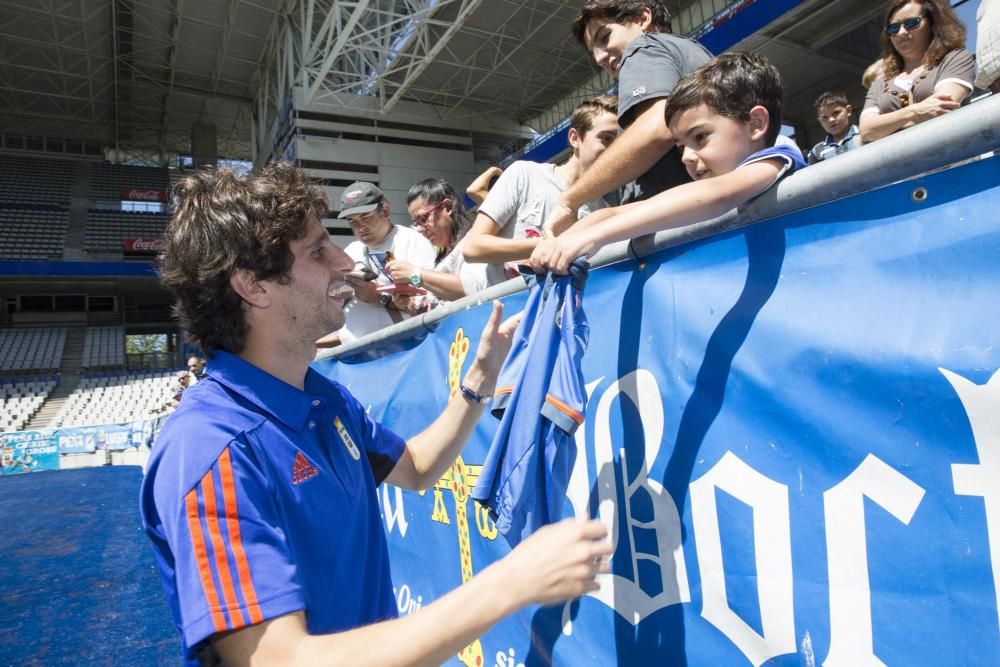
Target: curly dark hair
731,84
224,222
946,28
618,11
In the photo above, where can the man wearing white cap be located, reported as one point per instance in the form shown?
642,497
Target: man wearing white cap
365,207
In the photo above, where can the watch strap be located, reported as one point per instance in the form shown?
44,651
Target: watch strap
473,395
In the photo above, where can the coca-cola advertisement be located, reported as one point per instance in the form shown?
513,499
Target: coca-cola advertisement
142,194
142,246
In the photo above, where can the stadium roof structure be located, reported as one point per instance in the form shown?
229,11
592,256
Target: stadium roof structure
137,75
141,73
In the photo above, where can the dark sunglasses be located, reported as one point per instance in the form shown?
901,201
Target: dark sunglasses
910,24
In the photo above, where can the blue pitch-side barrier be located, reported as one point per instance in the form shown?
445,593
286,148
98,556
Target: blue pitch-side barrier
35,451
792,433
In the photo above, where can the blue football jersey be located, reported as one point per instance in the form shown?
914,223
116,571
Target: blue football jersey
540,400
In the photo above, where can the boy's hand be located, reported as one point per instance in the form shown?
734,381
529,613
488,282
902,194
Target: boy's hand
557,254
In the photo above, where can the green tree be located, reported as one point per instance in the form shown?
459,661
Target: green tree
145,343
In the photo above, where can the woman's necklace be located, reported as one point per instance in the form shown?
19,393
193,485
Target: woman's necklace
906,97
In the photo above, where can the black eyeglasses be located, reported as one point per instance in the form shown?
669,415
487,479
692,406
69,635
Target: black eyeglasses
910,24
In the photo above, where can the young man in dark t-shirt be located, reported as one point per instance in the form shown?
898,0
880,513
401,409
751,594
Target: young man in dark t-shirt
631,40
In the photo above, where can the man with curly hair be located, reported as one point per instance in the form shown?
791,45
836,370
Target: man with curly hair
260,494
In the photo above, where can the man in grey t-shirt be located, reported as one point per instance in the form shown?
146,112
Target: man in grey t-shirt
509,222
635,45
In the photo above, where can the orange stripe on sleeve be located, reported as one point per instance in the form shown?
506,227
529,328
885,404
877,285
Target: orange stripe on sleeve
500,391
219,548
565,409
201,558
235,538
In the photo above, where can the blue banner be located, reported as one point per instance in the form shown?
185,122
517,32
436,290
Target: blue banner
28,451
76,440
113,437
792,433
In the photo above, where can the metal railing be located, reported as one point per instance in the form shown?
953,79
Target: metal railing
960,135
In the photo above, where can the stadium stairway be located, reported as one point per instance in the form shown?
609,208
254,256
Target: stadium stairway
69,378
79,203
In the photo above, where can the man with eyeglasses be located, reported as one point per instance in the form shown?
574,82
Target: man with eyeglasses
366,209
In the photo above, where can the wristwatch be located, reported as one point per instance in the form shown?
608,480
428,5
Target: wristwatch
384,299
473,395
416,279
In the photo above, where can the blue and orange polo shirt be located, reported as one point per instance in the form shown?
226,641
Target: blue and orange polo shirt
260,501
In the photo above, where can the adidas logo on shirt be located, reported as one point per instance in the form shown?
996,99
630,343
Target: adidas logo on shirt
302,469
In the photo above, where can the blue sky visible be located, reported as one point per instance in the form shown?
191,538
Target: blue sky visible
967,13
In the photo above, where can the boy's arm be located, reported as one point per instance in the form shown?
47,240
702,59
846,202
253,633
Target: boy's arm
559,562
597,217
483,245
631,155
676,207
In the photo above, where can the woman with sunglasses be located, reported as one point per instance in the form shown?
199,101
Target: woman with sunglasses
927,71
437,212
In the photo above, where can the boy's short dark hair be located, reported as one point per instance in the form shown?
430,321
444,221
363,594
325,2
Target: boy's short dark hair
831,98
587,112
731,84
619,11
224,222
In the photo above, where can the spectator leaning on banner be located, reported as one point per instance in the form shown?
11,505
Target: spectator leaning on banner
926,70
726,116
260,494
631,40
508,225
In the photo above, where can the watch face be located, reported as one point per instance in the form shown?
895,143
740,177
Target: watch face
415,279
